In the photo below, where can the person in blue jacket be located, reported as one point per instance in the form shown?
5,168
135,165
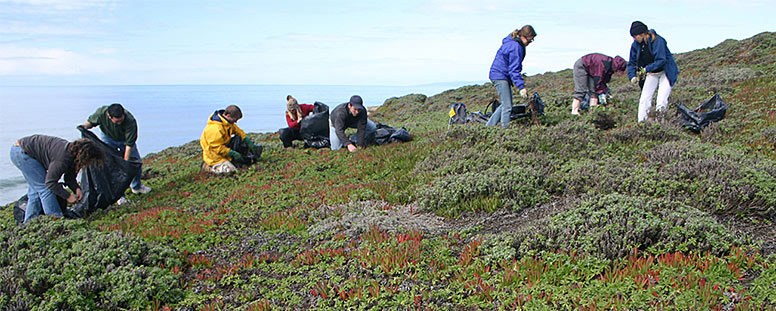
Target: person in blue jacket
651,61
505,72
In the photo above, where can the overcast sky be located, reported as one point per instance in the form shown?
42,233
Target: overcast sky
398,42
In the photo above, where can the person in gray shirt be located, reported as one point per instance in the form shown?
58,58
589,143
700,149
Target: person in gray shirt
43,160
350,115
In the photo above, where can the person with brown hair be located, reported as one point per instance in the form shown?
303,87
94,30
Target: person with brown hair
506,72
220,138
295,112
43,160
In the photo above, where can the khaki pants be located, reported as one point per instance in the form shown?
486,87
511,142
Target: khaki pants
220,168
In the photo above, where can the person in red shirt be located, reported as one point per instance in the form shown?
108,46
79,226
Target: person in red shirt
294,115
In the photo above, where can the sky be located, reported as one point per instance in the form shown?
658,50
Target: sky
398,42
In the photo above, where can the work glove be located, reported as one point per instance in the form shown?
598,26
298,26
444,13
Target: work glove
524,93
236,156
635,80
251,146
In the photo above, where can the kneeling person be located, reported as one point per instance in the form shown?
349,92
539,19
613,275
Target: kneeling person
295,112
221,139
350,115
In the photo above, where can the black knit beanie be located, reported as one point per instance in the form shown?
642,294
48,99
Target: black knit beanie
638,27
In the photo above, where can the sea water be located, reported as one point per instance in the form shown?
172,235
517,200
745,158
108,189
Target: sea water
167,115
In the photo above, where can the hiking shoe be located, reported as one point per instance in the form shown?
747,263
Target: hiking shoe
143,189
122,200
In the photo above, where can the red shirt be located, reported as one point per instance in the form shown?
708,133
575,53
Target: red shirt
306,109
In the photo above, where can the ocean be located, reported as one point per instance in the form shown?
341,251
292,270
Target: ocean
167,115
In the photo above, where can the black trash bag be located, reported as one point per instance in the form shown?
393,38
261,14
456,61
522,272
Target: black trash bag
20,207
315,127
697,119
383,135
458,114
401,135
477,116
369,137
535,104
239,145
103,185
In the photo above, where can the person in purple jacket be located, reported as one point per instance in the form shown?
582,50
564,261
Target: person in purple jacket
505,72
43,160
649,55
591,74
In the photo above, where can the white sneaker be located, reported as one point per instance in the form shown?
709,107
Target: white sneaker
122,200
143,189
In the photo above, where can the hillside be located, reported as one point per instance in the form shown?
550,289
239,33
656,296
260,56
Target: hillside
552,216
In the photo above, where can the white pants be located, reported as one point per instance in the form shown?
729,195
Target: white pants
654,81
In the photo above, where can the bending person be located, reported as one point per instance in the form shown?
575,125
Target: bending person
350,115
591,74
294,115
505,72
43,160
649,54
119,131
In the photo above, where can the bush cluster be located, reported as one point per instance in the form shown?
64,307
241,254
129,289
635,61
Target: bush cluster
611,226
51,264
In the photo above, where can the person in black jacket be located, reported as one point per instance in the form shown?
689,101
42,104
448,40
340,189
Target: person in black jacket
43,160
350,115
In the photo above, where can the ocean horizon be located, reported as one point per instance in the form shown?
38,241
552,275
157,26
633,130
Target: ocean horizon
167,115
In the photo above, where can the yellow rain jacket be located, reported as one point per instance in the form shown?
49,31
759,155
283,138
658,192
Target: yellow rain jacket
216,135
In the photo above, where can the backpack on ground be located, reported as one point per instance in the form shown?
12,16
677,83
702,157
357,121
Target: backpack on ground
458,114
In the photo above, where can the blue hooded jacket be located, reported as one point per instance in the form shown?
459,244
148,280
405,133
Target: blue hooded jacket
508,63
664,60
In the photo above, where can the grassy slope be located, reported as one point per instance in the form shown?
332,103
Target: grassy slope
556,216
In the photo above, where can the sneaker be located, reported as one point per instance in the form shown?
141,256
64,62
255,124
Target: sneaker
122,200
143,189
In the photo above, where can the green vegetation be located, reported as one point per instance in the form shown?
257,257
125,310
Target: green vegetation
557,215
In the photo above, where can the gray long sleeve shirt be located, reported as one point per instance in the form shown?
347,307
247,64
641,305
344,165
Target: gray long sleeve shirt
341,118
52,153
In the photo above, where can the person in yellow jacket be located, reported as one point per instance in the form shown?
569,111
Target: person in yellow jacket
219,141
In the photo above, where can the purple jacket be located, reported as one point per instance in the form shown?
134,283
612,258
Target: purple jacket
601,68
508,62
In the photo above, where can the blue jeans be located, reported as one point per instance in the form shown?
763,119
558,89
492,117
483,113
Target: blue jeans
504,111
336,144
39,197
134,154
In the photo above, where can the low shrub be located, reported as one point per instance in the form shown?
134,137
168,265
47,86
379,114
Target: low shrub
611,226
61,265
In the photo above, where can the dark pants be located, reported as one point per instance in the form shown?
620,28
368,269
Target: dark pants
288,135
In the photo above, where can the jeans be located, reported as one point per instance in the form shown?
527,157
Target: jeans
336,144
504,111
134,154
654,81
39,197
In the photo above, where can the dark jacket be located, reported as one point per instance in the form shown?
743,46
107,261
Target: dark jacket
663,59
601,68
52,153
508,63
341,119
